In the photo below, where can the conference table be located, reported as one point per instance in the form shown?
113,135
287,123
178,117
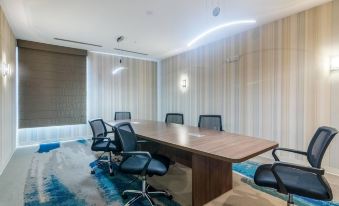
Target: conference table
209,153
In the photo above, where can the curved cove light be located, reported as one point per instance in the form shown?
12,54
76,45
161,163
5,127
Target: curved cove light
233,23
117,70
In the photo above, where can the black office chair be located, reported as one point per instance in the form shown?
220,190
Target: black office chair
139,163
176,118
122,115
102,143
300,180
210,122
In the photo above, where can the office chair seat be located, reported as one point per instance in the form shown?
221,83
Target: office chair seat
102,146
135,165
296,181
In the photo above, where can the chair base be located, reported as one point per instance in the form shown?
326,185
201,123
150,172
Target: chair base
144,193
100,160
290,201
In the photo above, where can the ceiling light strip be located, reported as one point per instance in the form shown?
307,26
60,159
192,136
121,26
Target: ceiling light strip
130,51
233,23
78,42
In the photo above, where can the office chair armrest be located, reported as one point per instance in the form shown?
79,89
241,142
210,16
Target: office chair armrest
143,153
281,185
133,153
102,138
286,150
143,141
109,141
111,126
314,170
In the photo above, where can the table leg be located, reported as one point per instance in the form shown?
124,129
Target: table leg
210,178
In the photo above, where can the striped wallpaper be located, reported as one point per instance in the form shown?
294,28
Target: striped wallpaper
7,93
133,89
272,82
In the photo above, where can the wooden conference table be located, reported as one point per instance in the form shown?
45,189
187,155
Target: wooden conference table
209,153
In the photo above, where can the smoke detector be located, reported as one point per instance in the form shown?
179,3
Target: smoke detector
216,11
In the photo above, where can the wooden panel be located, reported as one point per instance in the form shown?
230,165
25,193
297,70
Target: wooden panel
7,94
210,179
280,88
52,85
176,155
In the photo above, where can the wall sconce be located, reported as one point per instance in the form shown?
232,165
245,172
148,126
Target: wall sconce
5,70
334,63
184,83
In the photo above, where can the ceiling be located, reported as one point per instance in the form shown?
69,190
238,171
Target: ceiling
160,28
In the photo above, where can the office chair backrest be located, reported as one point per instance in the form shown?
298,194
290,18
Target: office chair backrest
210,122
125,136
98,128
176,118
318,145
122,115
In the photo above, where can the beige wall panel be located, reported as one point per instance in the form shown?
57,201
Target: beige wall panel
280,88
133,89
7,94
335,83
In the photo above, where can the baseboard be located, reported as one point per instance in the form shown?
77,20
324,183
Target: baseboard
54,141
6,162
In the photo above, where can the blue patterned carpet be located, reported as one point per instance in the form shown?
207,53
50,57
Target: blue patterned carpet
59,175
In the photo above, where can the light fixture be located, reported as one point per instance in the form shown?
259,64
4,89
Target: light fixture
233,23
184,83
334,63
5,69
120,66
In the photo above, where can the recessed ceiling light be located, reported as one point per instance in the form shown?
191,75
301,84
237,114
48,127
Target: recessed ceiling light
233,23
149,13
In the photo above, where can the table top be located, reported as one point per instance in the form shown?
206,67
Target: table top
215,144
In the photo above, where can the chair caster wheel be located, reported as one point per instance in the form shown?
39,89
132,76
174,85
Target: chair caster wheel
92,172
111,171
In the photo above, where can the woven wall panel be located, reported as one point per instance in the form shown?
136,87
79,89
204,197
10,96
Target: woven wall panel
52,86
